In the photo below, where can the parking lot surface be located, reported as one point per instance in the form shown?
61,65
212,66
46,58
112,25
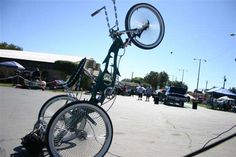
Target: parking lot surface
141,129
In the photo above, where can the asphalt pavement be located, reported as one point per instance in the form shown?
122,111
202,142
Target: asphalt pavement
141,129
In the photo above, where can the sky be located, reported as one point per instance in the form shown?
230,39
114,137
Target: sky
193,29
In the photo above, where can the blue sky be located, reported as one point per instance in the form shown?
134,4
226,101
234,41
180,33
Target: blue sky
194,29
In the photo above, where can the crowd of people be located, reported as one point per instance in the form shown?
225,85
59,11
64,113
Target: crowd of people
144,91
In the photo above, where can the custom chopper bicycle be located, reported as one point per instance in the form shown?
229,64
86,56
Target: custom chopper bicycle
82,127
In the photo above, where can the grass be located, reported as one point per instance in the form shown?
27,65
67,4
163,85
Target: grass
205,106
6,84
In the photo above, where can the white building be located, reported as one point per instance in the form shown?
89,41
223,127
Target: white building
45,62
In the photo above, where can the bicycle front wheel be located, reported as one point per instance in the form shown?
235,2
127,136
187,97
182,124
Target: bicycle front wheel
52,105
79,129
145,14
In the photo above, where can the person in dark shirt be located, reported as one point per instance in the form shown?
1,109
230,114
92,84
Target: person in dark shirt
36,74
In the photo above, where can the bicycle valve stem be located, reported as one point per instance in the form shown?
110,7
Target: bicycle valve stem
97,11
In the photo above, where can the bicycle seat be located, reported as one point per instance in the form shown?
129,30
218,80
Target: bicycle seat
75,76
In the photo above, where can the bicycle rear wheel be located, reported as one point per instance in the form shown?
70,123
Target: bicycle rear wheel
68,135
145,14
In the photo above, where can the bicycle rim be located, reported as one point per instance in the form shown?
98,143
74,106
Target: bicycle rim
52,105
93,138
136,17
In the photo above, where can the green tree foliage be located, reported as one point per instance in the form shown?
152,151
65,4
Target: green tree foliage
163,79
152,78
157,79
233,90
4,45
68,68
86,83
178,84
65,66
126,80
139,80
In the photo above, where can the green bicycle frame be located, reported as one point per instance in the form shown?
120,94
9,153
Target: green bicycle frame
106,79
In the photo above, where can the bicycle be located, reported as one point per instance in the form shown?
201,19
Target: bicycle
56,102
83,128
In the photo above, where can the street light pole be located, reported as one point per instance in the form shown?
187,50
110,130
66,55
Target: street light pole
232,35
182,80
224,82
199,69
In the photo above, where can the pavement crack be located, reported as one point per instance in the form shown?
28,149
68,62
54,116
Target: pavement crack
167,121
171,124
2,152
190,141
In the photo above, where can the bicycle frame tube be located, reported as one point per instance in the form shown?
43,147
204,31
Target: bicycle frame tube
106,79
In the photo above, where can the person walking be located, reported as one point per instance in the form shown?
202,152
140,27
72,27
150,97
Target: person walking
148,92
140,90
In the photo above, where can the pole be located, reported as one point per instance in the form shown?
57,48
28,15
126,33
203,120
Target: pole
232,35
199,70
206,85
183,70
224,82
198,75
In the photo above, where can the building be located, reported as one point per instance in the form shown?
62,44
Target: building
44,61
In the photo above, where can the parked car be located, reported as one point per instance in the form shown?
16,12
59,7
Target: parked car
225,104
176,95
56,84
159,96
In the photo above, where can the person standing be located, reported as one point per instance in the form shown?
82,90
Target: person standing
148,92
140,90
36,76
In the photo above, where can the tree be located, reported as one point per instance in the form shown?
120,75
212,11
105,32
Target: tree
152,78
157,79
163,79
138,80
179,84
126,80
68,68
5,45
65,66
233,90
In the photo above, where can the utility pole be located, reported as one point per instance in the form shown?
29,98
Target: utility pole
232,35
206,85
183,70
199,69
224,82
132,75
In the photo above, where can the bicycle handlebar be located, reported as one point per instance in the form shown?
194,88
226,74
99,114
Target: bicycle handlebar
97,11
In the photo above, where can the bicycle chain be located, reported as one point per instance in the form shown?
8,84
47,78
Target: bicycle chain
116,16
107,19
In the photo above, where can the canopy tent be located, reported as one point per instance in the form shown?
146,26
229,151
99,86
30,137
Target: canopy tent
225,98
221,91
12,64
190,96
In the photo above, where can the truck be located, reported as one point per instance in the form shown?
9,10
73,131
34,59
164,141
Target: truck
176,96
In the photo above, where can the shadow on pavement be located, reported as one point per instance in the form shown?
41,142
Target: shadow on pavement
20,151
